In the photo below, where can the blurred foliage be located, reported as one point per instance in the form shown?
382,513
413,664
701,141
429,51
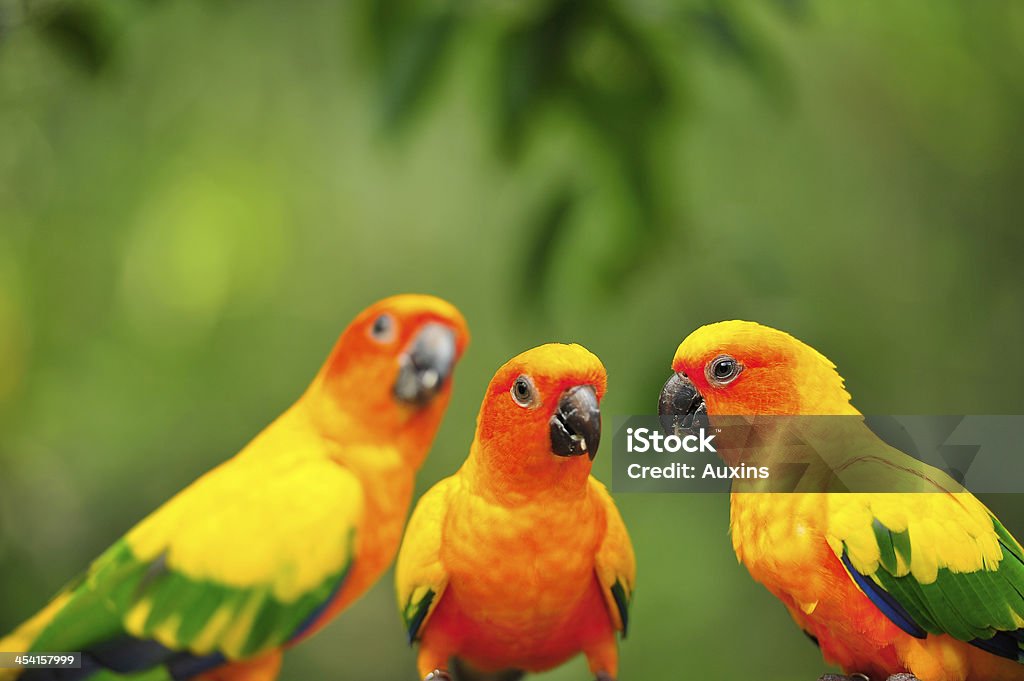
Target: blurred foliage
609,71
195,197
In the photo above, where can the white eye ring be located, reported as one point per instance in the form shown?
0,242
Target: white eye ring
723,370
383,328
522,391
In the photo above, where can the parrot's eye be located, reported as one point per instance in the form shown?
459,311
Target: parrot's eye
383,329
723,370
522,391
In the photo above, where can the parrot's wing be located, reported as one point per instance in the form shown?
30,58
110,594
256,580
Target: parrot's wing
615,563
420,575
238,563
934,562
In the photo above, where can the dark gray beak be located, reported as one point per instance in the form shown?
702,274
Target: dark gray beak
681,406
576,424
425,365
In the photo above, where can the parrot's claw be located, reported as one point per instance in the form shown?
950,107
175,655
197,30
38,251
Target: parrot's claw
437,675
603,676
864,677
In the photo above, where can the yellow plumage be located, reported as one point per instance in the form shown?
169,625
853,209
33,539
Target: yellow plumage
245,543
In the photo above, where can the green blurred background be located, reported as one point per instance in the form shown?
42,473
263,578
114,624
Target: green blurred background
196,197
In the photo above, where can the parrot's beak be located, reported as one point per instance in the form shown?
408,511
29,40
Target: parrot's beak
426,364
576,424
681,406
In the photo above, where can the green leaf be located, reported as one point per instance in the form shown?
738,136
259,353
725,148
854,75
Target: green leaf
414,65
531,67
549,227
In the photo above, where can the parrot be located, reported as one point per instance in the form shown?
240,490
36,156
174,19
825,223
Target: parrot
520,560
887,584
267,547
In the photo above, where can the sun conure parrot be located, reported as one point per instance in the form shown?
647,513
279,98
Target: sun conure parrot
928,584
267,547
520,560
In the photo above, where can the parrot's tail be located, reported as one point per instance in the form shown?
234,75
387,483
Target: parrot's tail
21,639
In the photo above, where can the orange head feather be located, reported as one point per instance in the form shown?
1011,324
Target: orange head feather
744,368
389,376
540,423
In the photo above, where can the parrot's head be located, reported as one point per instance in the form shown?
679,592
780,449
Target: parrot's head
540,421
738,368
389,376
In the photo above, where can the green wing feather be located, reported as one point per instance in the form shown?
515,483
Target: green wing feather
941,560
237,564
966,605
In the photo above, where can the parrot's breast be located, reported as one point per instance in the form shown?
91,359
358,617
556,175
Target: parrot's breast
779,537
519,575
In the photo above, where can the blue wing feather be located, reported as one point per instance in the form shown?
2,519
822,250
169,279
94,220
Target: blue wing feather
889,606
